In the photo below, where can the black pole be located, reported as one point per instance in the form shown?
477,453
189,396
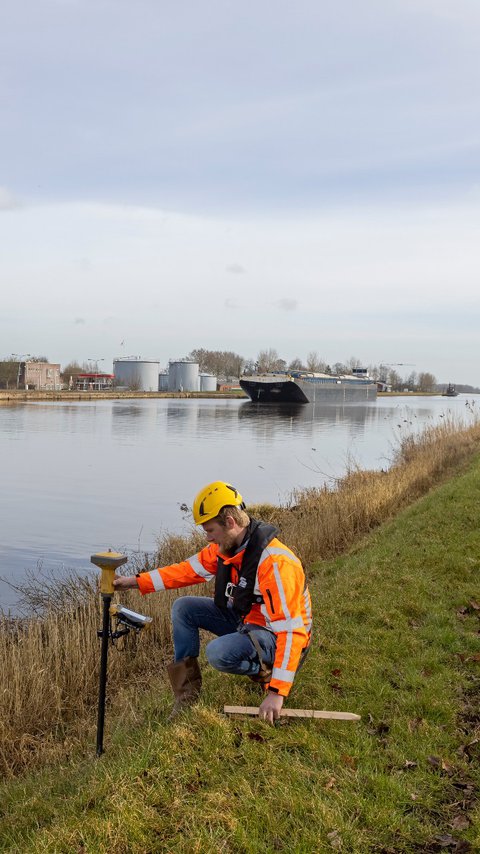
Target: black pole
103,672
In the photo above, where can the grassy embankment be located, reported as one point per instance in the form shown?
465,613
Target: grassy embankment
396,640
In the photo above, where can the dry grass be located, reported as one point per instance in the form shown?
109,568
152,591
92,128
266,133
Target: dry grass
321,523
50,657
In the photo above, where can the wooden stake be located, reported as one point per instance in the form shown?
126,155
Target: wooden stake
294,713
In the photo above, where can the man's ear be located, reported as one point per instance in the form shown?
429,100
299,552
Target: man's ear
229,522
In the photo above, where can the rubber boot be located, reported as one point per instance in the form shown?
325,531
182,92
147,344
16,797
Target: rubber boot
186,681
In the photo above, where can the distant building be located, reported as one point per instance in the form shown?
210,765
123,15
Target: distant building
39,375
230,387
91,382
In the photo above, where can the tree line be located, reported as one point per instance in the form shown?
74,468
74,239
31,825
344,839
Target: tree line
227,365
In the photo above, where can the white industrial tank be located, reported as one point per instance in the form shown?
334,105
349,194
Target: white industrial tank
208,382
136,374
163,381
183,376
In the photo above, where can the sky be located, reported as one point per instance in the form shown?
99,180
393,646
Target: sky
177,174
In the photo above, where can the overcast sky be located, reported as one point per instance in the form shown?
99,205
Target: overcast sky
242,175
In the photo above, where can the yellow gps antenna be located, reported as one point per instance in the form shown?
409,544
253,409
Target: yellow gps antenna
108,563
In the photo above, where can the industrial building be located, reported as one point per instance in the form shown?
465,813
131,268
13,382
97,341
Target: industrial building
91,382
136,374
139,374
39,375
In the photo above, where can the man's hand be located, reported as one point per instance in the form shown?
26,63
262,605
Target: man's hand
125,582
270,708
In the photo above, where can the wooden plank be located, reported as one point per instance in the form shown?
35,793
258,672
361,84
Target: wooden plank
295,713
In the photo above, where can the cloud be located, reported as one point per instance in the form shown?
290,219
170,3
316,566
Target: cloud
287,304
231,303
79,321
235,268
8,202
84,265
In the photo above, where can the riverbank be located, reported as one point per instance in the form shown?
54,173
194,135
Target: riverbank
14,395
20,396
396,608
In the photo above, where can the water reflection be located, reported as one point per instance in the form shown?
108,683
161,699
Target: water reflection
307,419
132,419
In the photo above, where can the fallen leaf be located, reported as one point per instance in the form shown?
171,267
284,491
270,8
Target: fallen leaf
255,736
470,748
434,761
448,768
331,783
465,656
410,764
445,840
348,760
334,839
460,822
474,604
414,724
378,729
337,672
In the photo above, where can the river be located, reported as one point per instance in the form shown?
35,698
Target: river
83,476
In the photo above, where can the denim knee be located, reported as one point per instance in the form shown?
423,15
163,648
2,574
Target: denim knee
180,608
213,652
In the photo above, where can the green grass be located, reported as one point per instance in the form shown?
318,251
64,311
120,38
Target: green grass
396,640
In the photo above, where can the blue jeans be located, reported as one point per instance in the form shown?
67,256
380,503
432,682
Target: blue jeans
232,651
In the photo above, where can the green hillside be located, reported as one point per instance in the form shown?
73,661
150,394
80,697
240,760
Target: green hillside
396,640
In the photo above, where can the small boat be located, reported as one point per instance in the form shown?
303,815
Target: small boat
450,391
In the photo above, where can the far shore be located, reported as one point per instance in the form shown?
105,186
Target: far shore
18,395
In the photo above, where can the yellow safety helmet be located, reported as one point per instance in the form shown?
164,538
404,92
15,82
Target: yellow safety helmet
212,498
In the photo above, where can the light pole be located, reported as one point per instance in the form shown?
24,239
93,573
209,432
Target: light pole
19,358
94,364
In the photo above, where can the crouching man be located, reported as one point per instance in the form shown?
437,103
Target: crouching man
260,612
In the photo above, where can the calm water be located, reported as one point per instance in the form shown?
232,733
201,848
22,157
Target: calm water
81,477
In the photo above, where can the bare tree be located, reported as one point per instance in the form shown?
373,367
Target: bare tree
411,381
296,365
269,360
314,363
426,382
394,380
8,373
221,363
353,362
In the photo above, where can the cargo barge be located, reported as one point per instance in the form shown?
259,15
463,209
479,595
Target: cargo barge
307,387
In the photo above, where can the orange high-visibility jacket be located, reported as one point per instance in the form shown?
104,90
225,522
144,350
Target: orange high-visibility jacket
286,609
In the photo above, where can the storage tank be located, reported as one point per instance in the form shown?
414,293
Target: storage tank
163,381
208,382
137,374
183,376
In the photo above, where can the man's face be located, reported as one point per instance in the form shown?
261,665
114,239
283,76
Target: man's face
221,535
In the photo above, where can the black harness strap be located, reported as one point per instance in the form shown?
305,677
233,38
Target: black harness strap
241,596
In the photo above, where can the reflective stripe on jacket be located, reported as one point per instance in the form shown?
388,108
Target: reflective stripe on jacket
280,580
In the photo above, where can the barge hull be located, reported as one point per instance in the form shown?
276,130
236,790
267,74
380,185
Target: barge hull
299,390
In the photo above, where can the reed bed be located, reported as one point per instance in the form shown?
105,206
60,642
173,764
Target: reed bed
51,654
